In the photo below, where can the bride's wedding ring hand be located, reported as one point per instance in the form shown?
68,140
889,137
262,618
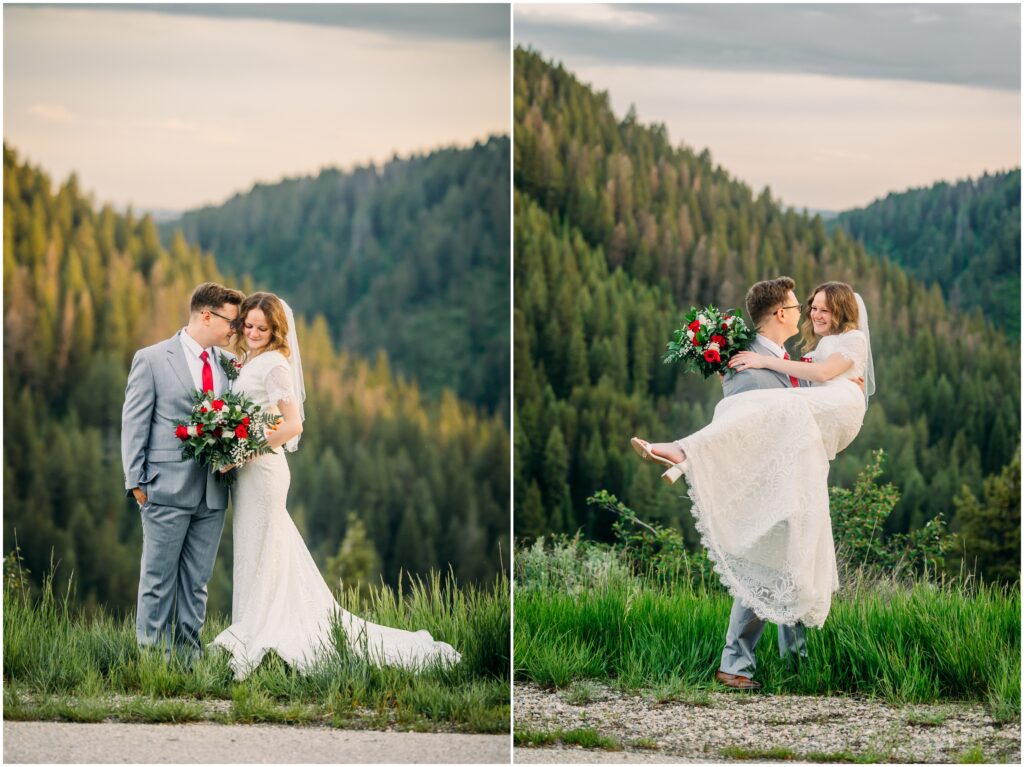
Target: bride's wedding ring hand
745,360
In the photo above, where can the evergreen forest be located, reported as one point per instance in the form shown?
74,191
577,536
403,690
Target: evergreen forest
410,258
388,479
618,231
965,237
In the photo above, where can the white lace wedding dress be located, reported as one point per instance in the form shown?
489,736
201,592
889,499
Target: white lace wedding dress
758,478
280,601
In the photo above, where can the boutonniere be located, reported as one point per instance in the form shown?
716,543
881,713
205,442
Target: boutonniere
230,367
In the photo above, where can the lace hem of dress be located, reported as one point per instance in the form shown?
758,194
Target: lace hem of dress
760,598
745,593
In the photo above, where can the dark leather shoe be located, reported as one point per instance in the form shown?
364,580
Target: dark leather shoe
737,682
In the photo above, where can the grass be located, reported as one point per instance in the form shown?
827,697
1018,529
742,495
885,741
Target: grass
758,754
583,737
973,755
580,693
907,645
927,719
60,664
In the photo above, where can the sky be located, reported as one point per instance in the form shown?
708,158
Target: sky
175,107
831,106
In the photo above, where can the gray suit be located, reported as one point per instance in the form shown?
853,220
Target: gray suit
183,517
744,626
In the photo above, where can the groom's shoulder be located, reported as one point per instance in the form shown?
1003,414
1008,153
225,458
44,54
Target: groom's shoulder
160,347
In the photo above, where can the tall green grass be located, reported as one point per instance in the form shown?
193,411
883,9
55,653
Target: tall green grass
52,650
916,643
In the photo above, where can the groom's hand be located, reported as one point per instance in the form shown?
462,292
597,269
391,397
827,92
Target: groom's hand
140,497
859,382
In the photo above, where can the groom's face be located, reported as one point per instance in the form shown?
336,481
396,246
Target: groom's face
791,316
221,324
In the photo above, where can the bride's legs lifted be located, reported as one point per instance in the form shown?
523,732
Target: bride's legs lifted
667,453
669,450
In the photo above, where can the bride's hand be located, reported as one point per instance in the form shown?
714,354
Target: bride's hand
226,469
745,360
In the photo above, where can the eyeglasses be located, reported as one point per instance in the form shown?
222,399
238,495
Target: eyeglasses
783,308
226,319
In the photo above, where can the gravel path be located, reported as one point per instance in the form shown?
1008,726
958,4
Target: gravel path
63,743
747,725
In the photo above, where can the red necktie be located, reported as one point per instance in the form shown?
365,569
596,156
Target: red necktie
785,356
207,372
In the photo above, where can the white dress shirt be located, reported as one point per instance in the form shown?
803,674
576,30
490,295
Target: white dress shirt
771,346
195,364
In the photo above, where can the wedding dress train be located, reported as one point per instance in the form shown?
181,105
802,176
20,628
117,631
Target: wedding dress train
280,601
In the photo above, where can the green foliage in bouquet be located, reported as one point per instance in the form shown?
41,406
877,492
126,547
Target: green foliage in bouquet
858,521
709,339
224,430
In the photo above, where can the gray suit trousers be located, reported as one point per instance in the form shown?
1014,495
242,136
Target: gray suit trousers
744,632
179,546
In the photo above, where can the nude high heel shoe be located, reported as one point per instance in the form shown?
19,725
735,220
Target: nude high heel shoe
674,471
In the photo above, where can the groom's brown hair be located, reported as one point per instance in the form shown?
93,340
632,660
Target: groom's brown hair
212,295
766,296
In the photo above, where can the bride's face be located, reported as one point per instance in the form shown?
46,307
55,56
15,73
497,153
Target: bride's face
821,315
256,329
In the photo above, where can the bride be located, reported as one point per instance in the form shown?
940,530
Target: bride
280,601
758,473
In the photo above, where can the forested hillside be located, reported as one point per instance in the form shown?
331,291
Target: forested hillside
964,236
617,232
426,481
411,257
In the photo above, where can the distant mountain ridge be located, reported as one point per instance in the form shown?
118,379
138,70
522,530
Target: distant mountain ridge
963,236
411,258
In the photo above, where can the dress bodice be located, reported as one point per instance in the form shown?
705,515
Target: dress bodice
852,344
266,379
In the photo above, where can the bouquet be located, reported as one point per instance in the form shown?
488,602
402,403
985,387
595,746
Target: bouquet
709,340
224,430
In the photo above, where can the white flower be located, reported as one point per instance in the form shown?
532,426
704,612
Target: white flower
728,322
703,320
193,430
714,346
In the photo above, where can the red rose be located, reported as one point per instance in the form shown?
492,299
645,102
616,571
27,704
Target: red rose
805,359
694,326
218,405
719,340
181,432
199,430
241,432
711,356
203,409
218,432
246,420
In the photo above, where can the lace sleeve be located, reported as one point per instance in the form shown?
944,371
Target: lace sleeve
854,346
278,383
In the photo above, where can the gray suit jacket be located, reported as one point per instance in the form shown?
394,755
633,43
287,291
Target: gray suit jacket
157,398
756,378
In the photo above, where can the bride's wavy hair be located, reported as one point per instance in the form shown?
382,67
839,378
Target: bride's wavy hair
841,302
277,320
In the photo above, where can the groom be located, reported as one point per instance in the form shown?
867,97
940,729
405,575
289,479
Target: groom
774,310
181,503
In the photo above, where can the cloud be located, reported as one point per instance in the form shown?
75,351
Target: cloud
470,21
955,44
54,113
600,15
